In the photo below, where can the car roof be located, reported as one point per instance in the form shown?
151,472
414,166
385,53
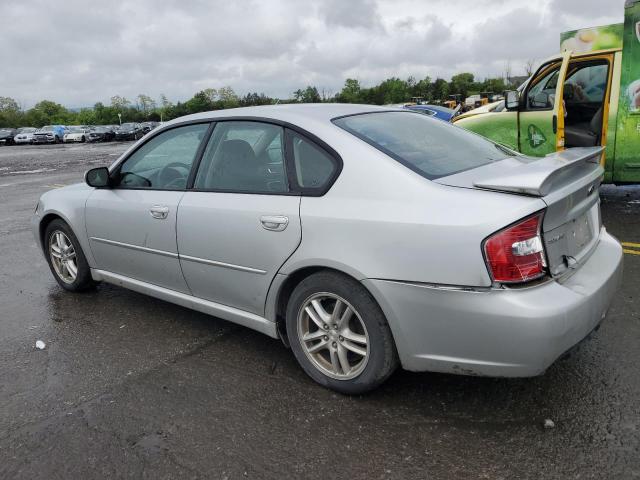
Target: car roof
300,114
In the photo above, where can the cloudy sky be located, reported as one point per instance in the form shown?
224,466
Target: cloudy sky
80,52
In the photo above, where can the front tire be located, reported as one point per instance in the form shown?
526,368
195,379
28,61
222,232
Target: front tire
339,334
65,257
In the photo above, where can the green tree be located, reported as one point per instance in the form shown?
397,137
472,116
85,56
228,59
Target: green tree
351,92
10,113
227,98
145,104
308,95
119,103
393,90
462,83
199,103
440,89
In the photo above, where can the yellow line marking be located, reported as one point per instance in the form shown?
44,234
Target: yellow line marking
631,252
629,244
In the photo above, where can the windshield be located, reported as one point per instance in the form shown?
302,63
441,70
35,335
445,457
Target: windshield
127,126
26,130
76,130
100,129
47,128
429,147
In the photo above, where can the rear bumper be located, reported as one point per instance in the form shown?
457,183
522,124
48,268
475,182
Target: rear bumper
499,332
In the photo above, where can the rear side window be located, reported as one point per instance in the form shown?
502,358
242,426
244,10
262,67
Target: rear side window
245,157
314,168
430,147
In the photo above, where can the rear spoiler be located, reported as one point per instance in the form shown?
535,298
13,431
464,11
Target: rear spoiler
535,176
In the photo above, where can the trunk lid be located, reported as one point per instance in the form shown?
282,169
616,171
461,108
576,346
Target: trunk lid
567,181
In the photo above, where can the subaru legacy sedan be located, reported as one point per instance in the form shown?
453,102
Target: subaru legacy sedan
365,238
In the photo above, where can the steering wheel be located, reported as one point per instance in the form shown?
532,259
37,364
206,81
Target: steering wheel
170,175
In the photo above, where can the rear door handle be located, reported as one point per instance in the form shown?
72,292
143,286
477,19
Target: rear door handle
275,223
158,211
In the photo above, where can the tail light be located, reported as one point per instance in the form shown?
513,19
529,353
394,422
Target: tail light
516,253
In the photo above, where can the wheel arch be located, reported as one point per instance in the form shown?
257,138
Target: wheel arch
46,220
284,284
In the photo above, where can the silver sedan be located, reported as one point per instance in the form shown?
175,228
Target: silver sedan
363,237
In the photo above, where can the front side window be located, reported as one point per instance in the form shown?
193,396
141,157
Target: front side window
586,83
429,147
164,162
244,157
541,96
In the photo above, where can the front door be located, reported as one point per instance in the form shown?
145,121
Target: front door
541,115
132,226
241,221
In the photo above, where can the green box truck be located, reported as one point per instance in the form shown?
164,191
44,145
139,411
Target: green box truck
588,95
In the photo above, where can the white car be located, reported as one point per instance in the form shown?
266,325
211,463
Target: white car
76,134
24,135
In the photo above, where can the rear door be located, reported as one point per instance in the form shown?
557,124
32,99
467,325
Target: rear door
241,220
541,115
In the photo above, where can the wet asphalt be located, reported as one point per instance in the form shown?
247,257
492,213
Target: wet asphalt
133,387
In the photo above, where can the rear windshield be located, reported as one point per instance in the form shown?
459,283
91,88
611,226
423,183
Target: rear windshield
430,147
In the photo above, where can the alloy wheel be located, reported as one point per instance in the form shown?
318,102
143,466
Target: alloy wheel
63,257
333,336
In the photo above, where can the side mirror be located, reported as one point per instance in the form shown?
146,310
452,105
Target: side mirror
97,177
512,99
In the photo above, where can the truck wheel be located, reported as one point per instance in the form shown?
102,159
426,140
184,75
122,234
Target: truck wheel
339,334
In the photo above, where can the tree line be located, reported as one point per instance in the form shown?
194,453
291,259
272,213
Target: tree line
145,108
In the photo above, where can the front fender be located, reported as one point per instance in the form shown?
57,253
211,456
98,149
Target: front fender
67,203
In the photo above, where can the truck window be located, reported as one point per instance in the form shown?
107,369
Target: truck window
584,99
541,95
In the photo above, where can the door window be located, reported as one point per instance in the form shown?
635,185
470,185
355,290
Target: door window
164,162
586,83
541,96
244,157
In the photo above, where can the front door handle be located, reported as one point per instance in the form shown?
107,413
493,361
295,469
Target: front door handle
158,211
275,223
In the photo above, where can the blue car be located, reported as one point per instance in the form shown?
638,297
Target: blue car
437,111
50,134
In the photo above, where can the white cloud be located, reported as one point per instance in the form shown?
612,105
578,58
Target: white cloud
80,52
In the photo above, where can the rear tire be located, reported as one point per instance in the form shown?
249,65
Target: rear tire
350,351
65,257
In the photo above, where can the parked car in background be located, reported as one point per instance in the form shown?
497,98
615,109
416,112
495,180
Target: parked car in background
436,111
365,237
76,135
49,134
129,131
148,126
101,134
24,135
495,107
7,135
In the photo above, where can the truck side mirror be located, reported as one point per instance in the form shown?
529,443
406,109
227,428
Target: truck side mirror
512,99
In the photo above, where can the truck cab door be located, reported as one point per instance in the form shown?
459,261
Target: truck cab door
541,113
